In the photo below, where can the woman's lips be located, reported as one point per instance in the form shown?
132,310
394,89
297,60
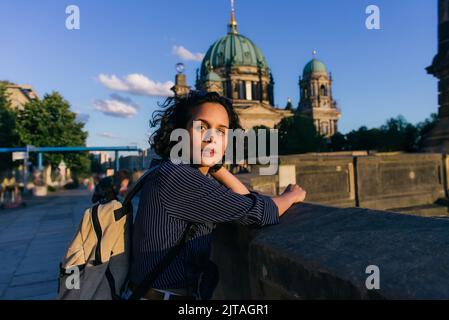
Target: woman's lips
209,152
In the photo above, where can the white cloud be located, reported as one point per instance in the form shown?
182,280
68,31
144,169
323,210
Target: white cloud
137,84
107,135
187,55
116,106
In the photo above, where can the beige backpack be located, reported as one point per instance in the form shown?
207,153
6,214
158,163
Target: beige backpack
96,263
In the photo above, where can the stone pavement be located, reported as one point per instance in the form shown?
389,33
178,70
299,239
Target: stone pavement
33,241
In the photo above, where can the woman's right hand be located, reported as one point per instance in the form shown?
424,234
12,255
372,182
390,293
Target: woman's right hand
294,191
292,194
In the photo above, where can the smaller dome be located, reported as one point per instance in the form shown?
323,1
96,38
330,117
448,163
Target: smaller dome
314,66
212,76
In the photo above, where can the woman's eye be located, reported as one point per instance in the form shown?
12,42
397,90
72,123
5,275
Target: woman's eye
221,133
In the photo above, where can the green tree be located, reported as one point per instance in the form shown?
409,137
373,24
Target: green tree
364,139
399,135
49,122
297,134
8,128
395,135
338,142
425,127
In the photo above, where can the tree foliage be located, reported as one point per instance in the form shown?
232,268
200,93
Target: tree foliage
43,123
395,135
297,134
8,128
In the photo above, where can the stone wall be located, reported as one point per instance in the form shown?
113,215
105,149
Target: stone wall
320,252
327,179
399,180
382,181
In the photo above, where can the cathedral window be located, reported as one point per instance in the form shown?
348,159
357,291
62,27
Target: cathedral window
323,90
324,128
255,90
229,89
241,90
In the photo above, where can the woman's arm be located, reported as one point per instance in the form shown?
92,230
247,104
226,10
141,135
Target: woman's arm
229,180
189,195
292,194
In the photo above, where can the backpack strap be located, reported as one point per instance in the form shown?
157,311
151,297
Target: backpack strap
98,233
148,281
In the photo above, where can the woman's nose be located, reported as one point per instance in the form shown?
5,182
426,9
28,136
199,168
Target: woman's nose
210,137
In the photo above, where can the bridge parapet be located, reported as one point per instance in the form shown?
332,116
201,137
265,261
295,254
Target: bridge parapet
321,252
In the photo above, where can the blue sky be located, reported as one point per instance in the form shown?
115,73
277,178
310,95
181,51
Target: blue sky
377,74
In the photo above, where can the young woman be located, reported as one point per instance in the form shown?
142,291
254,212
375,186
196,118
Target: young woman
204,193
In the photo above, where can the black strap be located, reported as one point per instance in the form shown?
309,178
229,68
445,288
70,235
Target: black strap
148,281
98,233
98,261
111,282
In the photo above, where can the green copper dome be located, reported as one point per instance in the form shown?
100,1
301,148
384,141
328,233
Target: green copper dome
232,50
314,66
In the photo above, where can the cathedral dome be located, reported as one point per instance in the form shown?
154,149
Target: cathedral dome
314,66
232,50
237,67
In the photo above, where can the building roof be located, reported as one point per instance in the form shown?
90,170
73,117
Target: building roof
19,95
314,66
233,50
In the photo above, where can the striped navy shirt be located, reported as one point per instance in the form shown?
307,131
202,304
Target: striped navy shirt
175,195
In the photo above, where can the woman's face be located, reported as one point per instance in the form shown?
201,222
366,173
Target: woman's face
208,129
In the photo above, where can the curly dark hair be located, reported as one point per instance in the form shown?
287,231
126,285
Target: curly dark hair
177,111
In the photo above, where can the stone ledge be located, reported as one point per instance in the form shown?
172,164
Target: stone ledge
320,252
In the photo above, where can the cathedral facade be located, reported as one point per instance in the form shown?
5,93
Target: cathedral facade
236,68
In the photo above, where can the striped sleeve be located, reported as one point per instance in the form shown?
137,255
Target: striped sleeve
189,195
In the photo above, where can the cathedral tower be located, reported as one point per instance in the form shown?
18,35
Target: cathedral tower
316,100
